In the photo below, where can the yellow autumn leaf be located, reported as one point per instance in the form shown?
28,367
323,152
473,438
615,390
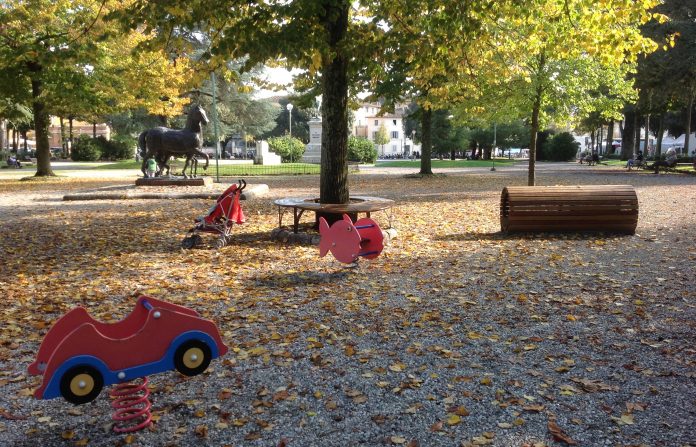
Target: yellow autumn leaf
453,419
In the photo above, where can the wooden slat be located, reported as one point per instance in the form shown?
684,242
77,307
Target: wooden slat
569,208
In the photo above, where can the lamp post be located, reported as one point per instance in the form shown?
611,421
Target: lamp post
215,130
289,107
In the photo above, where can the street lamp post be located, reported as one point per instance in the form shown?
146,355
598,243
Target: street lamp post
289,106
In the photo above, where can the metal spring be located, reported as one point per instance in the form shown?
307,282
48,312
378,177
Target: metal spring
131,406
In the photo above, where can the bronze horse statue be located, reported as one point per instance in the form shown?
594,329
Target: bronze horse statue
161,143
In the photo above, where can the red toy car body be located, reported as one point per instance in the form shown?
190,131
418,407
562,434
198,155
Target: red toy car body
79,355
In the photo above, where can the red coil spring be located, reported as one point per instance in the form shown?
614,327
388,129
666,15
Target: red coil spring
131,405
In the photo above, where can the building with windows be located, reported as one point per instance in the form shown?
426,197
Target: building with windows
367,122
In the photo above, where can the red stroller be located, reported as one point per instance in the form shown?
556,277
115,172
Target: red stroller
226,212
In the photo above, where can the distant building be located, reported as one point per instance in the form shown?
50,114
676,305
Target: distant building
78,128
367,123
54,134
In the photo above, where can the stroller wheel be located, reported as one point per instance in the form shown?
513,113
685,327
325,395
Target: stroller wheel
188,242
220,242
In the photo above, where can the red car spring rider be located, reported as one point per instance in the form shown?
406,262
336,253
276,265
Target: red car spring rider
79,355
348,242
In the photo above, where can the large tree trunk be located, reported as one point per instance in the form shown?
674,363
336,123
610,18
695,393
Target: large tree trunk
426,141
636,141
647,134
536,108
41,123
689,109
592,141
63,142
627,135
334,133
25,148
531,176
660,131
609,149
71,137
3,131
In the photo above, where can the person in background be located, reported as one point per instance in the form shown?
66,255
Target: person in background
151,167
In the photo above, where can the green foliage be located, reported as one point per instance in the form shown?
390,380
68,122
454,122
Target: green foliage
362,150
86,149
561,147
118,148
300,121
289,148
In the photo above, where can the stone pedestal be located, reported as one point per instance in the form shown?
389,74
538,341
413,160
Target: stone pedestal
313,149
174,181
264,156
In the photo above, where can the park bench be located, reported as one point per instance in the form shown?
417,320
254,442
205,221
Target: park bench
357,204
611,208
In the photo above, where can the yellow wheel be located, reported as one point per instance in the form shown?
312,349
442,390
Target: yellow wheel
81,384
192,357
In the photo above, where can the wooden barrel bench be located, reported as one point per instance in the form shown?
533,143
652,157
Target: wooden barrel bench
611,208
357,204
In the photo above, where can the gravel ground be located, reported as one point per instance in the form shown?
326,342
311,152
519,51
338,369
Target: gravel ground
455,336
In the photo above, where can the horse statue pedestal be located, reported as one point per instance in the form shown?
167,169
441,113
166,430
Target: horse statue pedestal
174,181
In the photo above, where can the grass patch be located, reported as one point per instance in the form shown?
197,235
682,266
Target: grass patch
283,169
446,163
125,164
228,169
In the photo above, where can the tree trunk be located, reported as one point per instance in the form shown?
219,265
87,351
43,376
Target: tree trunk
63,142
531,177
3,128
334,133
25,148
627,135
647,134
609,149
689,109
94,130
41,123
636,141
71,137
660,131
426,142
592,141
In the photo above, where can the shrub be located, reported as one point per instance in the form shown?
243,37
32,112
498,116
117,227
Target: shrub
86,149
289,148
362,150
118,148
561,147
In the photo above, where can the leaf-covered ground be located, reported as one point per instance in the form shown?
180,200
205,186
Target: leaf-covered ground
455,335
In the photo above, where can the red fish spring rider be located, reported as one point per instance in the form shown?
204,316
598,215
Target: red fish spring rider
79,355
349,241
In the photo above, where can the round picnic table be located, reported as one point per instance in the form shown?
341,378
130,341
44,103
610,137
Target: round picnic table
357,204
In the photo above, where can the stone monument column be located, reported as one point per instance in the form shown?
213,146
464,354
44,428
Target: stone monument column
313,149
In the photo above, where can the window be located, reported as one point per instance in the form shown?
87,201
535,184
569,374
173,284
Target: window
395,135
374,136
376,122
394,121
394,148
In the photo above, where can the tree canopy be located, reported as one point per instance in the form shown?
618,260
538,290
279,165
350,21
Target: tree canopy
64,58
